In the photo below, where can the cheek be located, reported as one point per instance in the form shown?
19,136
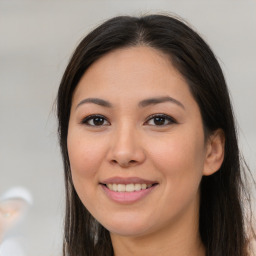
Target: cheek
85,157
180,159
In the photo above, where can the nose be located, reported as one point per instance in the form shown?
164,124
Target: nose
126,148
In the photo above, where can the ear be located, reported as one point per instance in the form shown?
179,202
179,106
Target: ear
214,152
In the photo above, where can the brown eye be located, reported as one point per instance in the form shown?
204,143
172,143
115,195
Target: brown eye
95,120
160,120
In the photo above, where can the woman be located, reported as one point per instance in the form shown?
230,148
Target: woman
149,145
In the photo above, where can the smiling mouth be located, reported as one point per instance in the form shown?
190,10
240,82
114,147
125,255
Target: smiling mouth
128,187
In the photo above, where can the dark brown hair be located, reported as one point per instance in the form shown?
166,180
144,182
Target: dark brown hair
222,219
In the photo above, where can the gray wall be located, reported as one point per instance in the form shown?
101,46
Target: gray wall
36,41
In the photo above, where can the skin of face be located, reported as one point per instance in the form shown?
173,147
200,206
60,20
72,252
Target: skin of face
130,143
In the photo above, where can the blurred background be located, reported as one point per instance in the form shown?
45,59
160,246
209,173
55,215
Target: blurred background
36,42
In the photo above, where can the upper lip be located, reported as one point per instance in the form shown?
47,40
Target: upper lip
128,180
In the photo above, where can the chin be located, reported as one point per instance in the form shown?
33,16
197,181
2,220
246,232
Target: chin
128,231
127,228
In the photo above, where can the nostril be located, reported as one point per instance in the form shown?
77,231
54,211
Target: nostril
124,163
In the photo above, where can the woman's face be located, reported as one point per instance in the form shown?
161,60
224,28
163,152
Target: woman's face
136,143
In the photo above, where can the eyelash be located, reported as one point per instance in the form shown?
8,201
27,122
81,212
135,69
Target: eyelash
170,119
167,118
91,118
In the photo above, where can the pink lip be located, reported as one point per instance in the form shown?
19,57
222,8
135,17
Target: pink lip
128,180
127,197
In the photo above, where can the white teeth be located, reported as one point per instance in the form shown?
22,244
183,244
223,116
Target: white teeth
114,187
128,187
137,187
121,188
143,186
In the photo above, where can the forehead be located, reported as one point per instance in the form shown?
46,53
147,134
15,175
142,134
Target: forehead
134,70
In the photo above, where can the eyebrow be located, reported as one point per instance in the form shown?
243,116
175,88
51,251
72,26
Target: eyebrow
143,103
154,101
97,101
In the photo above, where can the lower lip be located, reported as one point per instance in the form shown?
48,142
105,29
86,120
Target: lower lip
127,197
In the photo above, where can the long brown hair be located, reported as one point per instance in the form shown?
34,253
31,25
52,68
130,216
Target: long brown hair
222,219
